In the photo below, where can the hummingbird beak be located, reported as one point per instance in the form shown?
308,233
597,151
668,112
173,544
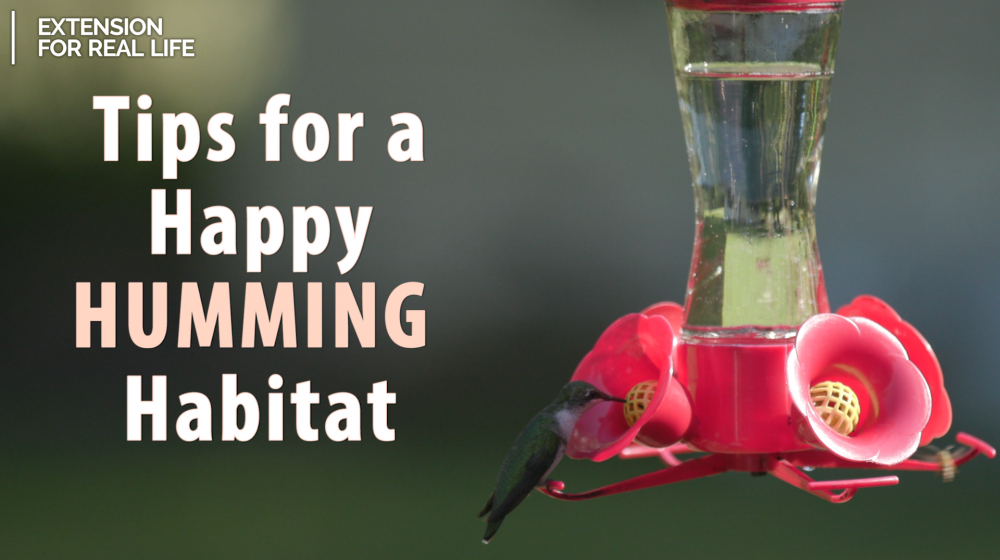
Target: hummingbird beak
608,397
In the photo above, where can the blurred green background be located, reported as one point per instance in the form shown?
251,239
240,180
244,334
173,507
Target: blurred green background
554,197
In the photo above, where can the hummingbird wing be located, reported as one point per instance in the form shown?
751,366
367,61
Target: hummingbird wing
534,454
488,506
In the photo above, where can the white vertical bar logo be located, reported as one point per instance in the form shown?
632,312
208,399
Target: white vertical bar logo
12,36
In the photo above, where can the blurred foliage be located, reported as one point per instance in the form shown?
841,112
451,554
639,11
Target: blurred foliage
420,499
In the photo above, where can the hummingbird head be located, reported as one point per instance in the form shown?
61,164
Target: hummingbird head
580,395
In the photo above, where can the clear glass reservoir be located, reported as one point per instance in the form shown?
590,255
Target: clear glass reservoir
754,87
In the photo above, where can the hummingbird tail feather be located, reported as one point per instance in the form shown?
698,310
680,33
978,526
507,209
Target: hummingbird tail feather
489,505
491,529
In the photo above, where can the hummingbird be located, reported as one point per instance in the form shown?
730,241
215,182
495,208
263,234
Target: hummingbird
538,450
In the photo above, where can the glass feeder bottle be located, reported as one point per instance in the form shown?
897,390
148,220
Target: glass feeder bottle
753,80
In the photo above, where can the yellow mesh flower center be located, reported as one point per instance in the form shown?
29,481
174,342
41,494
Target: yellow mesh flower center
837,404
638,400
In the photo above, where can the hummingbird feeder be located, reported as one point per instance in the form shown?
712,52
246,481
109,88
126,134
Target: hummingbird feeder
754,371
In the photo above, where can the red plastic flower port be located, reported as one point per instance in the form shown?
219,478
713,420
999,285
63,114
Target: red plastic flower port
634,349
895,400
919,352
